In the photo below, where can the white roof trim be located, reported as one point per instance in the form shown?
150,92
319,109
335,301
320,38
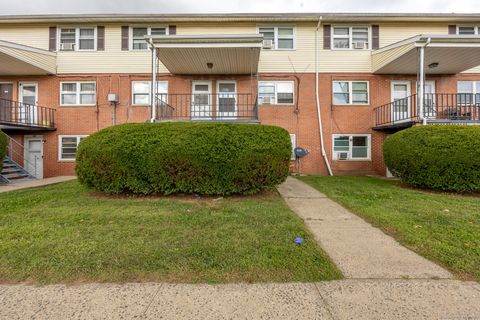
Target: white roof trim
26,48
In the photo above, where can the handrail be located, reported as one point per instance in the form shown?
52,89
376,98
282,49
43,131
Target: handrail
24,114
11,152
207,107
444,107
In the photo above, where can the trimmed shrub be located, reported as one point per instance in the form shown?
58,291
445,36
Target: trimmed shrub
3,148
436,157
199,158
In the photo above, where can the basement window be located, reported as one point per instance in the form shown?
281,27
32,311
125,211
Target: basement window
68,145
351,147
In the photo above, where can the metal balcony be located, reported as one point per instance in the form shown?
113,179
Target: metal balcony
23,116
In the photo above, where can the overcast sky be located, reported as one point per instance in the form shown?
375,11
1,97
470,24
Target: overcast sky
234,6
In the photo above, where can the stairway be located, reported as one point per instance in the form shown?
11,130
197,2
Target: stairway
12,172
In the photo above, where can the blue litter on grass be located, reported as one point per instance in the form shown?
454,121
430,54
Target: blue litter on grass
298,240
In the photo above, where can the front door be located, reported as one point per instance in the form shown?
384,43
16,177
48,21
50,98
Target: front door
429,100
401,106
33,158
28,97
6,96
227,99
201,108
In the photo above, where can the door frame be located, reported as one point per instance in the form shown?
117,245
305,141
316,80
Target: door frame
33,111
26,138
409,93
210,102
235,93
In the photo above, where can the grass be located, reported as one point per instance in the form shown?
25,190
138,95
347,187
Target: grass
62,233
442,227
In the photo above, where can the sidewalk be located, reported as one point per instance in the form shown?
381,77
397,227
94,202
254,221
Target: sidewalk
34,183
357,248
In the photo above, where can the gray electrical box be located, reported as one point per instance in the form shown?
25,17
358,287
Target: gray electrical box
112,97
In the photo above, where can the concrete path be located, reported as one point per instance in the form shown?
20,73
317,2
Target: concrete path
357,248
34,183
346,299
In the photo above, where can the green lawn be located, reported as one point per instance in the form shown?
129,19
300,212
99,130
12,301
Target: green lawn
62,233
440,226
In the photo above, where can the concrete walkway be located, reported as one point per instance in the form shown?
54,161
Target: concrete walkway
346,299
357,248
34,183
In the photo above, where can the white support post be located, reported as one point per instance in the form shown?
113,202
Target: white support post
421,89
153,89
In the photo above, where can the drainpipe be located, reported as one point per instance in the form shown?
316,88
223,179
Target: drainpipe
317,96
421,89
153,89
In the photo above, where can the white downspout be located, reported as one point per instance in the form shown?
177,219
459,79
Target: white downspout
317,96
421,88
153,89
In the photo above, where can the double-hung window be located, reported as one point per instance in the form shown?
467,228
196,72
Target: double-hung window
468,30
78,39
275,92
283,38
350,92
351,37
78,93
139,33
351,147
68,145
468,92
141,92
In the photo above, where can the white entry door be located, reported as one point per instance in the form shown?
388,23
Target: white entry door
227,99
401,106
33,158
429,100
28,97
201,108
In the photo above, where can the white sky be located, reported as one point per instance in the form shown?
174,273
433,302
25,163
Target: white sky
234,6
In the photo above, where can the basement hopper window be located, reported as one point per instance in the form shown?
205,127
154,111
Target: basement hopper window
68,146
351,147
275,92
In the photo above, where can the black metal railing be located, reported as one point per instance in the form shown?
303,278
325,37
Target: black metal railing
14,113
438,107
207,107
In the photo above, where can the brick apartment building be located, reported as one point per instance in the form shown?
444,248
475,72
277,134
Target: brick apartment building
339,83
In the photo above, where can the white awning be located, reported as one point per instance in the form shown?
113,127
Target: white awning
17,59
208,54
444,54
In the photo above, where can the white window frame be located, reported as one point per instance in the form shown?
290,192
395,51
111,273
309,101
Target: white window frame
275,36
149,91
476,29
276,82
60,137
77,93
475,90
293,140
149,32
350,93
77,37
350,135
350,37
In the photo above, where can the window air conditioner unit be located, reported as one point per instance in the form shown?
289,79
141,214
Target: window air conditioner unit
67,46
359,45
266,100
267,44
342,155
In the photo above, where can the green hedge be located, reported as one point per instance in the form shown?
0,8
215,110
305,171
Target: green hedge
436,157
3,148
200,158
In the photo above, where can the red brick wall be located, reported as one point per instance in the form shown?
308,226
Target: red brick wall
300,118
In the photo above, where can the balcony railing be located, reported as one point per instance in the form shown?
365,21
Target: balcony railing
23,115
207,107
438,107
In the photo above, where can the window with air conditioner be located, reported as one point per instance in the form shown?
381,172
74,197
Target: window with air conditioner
351,147
278,37
138,36
276,92
78,39
348,37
